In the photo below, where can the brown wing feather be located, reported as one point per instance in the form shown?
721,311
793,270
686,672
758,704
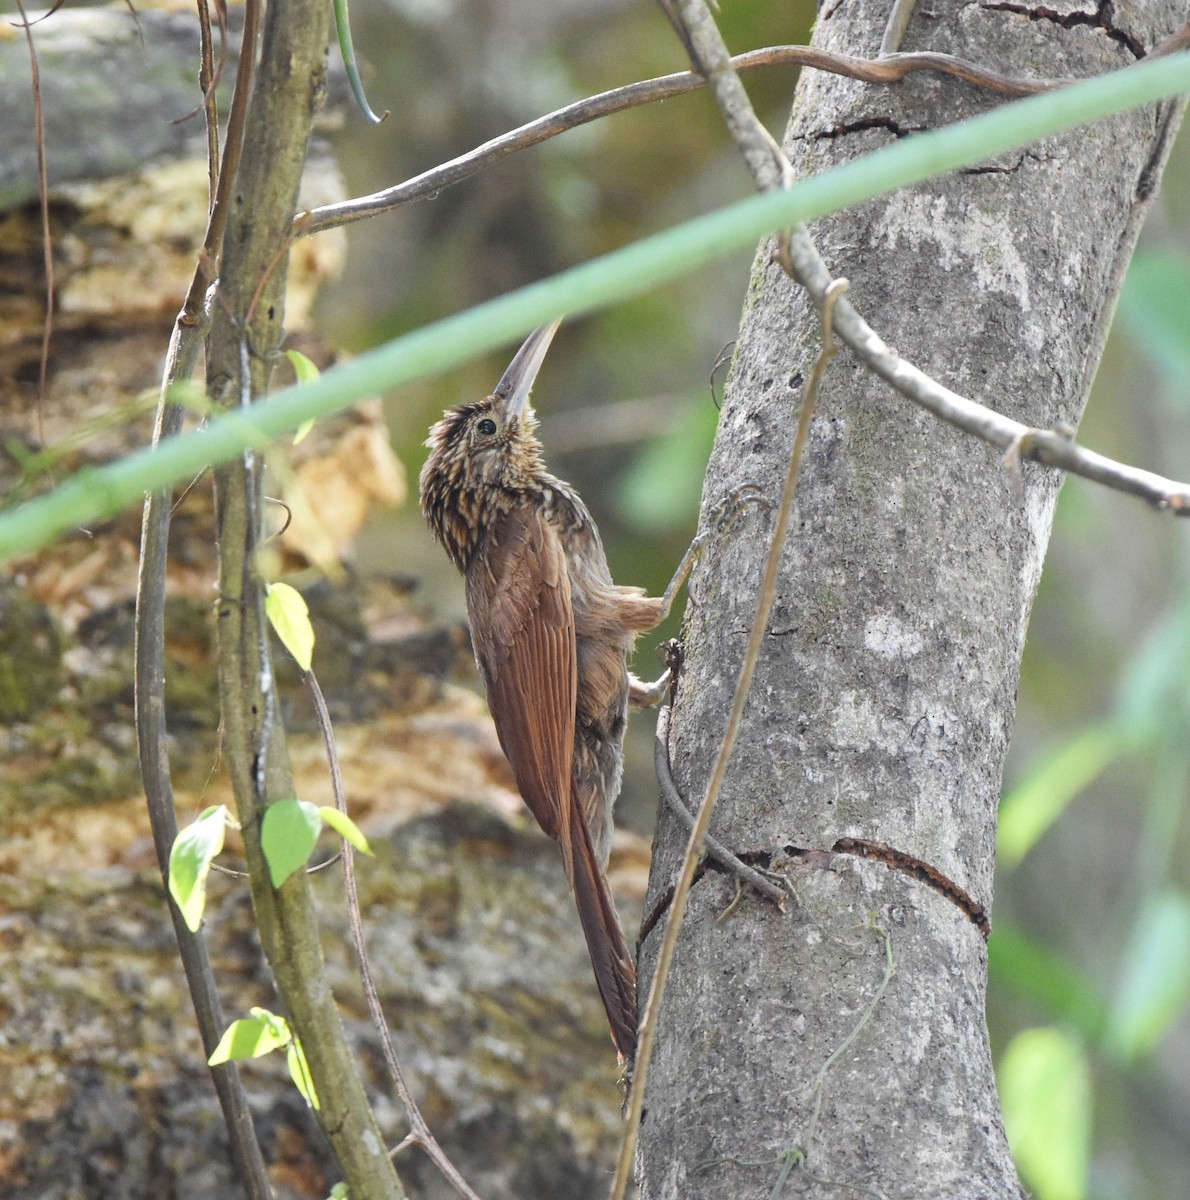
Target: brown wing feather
615,972
522,628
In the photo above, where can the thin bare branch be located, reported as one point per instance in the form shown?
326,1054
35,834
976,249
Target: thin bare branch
149,673
710,59
765,158
419,1132
770,168
768,592
155,774
47,241
1049,447
887,69
898,23
429,183
713,847
207,80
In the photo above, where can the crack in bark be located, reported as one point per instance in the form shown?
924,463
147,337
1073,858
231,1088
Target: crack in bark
898,860
1100,19
654,915
863,123
753,858
1012,170
820,860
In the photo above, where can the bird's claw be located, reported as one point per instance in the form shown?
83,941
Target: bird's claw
729,507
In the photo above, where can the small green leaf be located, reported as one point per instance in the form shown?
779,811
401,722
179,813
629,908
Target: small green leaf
343,27
287,611
194,850
279,1025
1045,1093
1156,977
1060,990
251,1037
287,835
303,368
1034,804
346,828
340,1191
306,372
299,1072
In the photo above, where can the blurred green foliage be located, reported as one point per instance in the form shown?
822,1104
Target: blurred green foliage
1093,833
1045,1089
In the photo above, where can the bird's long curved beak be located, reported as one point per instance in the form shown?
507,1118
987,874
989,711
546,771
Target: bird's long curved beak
512,392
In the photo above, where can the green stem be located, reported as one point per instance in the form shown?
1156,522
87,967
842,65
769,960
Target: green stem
247,325
93,495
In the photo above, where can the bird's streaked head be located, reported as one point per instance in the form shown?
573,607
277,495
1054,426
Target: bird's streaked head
482,451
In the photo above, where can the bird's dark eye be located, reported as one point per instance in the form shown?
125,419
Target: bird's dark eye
487,427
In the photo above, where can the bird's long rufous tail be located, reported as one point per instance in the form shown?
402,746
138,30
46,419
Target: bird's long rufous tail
615,972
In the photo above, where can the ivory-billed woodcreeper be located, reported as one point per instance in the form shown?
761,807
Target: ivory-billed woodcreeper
552,634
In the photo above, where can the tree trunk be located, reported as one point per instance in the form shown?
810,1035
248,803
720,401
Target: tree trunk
883,702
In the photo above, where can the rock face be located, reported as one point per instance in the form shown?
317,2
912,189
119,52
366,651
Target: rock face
474,941
480,968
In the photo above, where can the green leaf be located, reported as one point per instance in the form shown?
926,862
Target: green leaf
340,1191
1062,991
306,372
1034,804
251,1037
287,835
261,1034
346,828
1155,305
190,859
303,368
1155,977
278,1024
1045,1093
299,1072
679,459
289,616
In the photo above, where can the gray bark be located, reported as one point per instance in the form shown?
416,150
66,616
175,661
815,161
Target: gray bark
883,702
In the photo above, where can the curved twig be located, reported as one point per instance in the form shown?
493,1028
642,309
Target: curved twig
149,651
43,195
713,847
891,69
419,1132
768,162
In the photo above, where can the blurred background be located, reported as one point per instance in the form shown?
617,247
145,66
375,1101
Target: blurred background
1091,954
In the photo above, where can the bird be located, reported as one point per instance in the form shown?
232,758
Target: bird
552,634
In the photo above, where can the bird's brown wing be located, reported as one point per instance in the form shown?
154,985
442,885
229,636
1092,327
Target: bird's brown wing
522,628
